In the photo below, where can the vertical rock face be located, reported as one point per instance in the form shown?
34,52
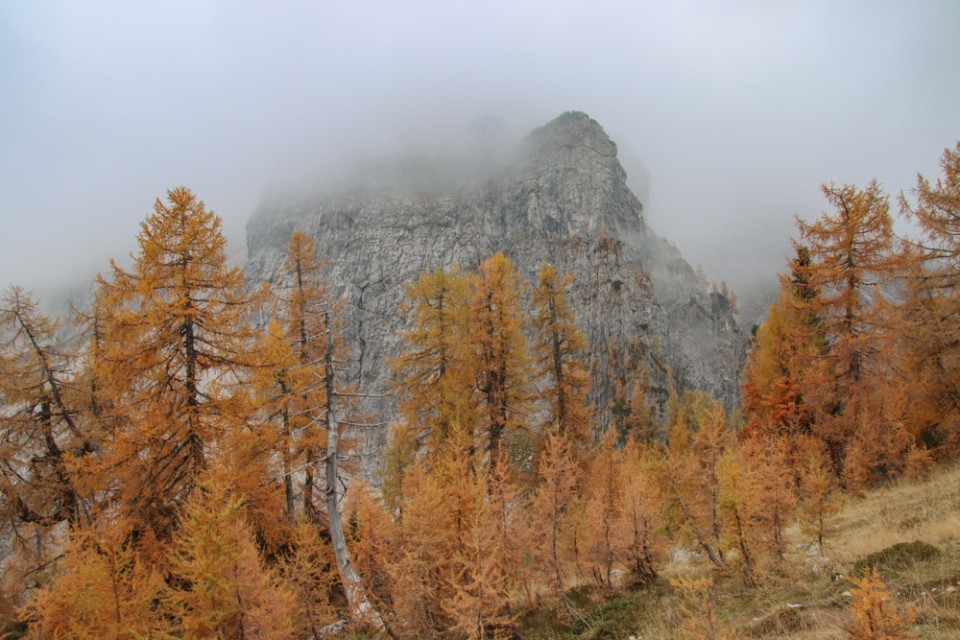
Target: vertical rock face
560,197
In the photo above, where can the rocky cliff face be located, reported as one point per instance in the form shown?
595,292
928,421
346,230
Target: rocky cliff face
560,197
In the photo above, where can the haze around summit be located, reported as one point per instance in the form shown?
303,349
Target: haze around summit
738,110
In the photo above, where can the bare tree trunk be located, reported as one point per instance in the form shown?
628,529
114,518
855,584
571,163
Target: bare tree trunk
357,599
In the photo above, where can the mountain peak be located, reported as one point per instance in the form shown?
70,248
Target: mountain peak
574,129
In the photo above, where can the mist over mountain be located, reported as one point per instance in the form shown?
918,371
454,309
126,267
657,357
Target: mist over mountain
558,195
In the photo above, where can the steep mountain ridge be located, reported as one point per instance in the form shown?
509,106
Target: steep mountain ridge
559,196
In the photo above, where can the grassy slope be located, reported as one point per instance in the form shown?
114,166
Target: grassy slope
866,529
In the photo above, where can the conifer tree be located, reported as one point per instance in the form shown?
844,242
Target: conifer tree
700,621
687,482
740,511
558,346
310,573
435,374
603,504
290,369
491,560
931,306
875,615
40,421
852,257
375,543
223,588
173,344
551,517
504,370
105,592
637,538
819,495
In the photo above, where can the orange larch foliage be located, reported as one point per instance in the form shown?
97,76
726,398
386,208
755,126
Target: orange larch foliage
875,615
105,592
687,481
289,371
557,349
637,531
504,370
40,421
173,344
491,561
375,539
930,308
818,492
603,504
436,372
551,517
221,586
310,573
700,619
853,255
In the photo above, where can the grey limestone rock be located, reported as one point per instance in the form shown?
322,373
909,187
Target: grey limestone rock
560,195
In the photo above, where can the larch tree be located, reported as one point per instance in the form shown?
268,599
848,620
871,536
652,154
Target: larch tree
819,497
222,588
875,616
931,308
435,373
105,591
551,517
291,370
637,537
173,344
688,483
603,496
504,369
853,256
491,560
557,349
310,572
41,425
700,619
785,348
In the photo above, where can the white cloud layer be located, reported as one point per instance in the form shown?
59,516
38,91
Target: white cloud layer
739,109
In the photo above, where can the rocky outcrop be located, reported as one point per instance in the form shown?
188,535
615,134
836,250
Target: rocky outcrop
559,196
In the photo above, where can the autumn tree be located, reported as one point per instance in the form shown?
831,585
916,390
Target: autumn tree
637,531
688,483
557,349
931,307
819,494
602,505
309,570
551,517
741,511
290,369
785,348
435,372
438,503
875,615
490,562
504,371
172,346
700,619
222,588
852,258
105,590
40,421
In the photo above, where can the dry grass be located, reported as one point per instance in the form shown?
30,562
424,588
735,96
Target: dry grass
907,511
927,511
927,582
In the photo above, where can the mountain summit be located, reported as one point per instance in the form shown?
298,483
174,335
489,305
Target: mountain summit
559,196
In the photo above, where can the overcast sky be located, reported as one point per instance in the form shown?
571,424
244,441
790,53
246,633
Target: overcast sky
739,109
